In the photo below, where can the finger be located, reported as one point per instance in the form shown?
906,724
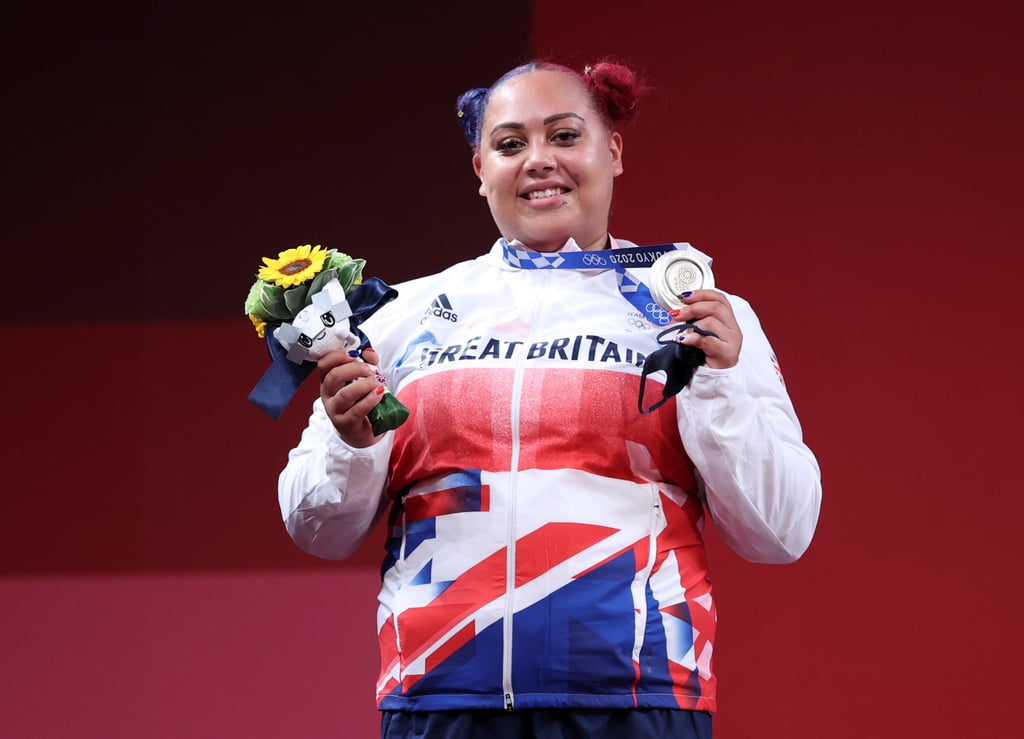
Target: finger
708,328
369,354
333,359
348,411
701,296
703,304
722,350
345,374
342,402
362,407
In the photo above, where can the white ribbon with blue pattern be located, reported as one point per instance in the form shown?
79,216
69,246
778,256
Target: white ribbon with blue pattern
632,289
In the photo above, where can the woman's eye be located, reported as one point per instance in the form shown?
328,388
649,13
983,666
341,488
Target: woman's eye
509,146
566,137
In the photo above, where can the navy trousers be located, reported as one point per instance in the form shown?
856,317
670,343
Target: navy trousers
547,723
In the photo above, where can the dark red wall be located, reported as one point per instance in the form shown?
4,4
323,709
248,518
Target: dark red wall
153,154
853,170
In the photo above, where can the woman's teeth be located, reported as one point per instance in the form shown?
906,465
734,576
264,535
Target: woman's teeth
549,193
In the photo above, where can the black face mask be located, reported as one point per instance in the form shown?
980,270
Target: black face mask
677,361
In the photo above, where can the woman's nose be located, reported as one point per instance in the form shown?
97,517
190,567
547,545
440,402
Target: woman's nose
540,159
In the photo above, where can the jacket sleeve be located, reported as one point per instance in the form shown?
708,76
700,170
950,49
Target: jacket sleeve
331,494
761,482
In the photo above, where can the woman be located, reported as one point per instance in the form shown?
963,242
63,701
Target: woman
546,574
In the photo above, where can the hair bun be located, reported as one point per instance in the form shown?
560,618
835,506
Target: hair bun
469,109
617,86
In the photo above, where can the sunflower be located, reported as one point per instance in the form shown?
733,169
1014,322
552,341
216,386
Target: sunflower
293,266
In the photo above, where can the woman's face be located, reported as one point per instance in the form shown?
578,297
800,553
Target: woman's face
546,162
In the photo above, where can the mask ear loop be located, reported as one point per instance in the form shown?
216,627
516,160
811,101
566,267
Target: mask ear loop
679,328
677,361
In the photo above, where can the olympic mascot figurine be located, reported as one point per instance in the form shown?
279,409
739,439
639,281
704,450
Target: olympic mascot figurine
320,327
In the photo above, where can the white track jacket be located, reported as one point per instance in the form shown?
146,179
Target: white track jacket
545,544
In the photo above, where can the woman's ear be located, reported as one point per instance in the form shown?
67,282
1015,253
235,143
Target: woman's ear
615,147
476,168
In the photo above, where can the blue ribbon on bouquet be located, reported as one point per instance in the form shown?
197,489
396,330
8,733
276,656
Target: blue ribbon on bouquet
283,377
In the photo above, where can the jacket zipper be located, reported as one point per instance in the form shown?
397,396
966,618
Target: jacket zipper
642,582
513,477
398,633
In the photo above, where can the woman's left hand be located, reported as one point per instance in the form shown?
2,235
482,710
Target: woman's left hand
714,313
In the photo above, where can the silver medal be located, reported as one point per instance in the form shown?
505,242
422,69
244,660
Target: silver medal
677,272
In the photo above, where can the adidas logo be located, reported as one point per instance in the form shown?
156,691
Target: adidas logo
441,308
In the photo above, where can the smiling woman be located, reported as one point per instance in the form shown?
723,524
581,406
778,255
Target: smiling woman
548,176
546,152
546,573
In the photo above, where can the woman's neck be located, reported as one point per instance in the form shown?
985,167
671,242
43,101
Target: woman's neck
604,242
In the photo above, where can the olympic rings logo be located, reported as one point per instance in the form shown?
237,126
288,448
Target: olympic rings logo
659,314
594,260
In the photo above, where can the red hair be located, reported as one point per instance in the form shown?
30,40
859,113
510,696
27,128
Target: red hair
615,89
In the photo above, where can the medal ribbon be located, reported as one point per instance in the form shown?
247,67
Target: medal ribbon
636,292
676,360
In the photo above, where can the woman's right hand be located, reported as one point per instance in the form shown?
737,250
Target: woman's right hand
350,389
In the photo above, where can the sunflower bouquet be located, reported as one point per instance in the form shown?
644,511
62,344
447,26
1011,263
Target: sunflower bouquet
299,304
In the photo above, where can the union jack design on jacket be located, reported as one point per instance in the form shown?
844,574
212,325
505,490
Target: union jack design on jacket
545,543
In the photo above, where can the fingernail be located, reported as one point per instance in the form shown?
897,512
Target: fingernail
674,313
353,353
379,390
686,294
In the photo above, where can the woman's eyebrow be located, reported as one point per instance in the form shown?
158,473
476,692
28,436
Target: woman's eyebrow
549,119
560,116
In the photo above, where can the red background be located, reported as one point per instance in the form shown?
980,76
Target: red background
854,169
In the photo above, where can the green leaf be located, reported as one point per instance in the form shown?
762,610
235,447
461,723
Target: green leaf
271,303
360,264
388,414
346,276
295,299
351,274
320,280
277,310
350,271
